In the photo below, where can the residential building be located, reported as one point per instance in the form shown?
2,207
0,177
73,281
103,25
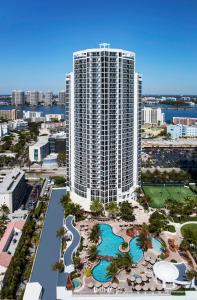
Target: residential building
8,244
153,116
54,117
33,116
4,129
62,98
39,150
33,98
57,142
69,121
19,124
178,131
184,121
12,188
105,113
18,97
48,98
10,114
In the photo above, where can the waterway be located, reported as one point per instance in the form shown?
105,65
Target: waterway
170,111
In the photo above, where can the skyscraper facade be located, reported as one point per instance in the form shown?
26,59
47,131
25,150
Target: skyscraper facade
18,97
105,120
62,98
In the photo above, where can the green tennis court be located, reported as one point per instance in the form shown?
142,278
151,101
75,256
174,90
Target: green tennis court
159,194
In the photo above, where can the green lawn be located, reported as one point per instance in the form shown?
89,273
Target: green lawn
159,194
192,227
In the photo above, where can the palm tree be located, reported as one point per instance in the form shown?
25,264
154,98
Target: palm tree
96,207
192,276
60,232
58,266
95,233
143,237
112,270
4,209
112,208
93,253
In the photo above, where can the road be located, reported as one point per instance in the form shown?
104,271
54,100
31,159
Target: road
49,249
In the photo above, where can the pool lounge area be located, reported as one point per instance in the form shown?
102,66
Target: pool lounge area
109,248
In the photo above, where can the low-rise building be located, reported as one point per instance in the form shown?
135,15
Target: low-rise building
33,116
178,131
19,124
57,142
184,121
153,116
10,114
54,117
39,150
4,129
12,188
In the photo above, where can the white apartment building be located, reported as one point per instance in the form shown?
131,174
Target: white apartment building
33,98
4,129
62,97
105,122
48,98
153,116
18,124
18,97
12,188
179,130
39,150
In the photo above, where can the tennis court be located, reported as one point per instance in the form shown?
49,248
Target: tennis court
159,194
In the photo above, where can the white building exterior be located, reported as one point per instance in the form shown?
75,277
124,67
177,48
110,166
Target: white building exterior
18,97
12,188
54,117
178,131
153,116
48,98
105,122
18,124
4,129
39,150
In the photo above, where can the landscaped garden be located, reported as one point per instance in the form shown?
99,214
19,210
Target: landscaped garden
160,194
118,250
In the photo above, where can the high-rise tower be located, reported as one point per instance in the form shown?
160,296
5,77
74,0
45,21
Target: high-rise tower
105,122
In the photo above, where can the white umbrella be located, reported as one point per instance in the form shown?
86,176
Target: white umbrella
97,284
152,288
147,258
145,287
132,278
90,285
144,278
159,287
114,285
106,284
149,274
138,287
152,261
139,280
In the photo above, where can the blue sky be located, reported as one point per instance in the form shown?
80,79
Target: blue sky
37,39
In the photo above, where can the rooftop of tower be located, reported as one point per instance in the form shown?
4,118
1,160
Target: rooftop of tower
104,47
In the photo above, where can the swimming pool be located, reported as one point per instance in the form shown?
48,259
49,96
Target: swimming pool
110,242
76,282
99,272
137,253
109,246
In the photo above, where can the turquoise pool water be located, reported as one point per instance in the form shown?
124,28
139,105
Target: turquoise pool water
99,272
109,246
76,282
110,242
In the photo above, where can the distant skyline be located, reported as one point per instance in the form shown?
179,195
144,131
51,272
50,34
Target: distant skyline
39,37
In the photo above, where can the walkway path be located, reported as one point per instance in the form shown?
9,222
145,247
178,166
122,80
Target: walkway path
49,248
68,254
